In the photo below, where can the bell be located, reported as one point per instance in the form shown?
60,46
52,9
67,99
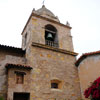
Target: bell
49,35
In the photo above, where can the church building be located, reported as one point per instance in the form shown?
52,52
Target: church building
44,68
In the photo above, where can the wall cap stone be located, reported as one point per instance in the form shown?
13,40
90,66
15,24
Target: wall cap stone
54,49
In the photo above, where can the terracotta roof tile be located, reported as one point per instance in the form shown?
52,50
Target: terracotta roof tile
83,56
11,48
9,65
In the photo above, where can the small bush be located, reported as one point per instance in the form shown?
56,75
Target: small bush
1,98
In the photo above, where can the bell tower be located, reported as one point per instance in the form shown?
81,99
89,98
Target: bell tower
49,50
45,28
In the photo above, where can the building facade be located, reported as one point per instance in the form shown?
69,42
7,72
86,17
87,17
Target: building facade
44,68
89,70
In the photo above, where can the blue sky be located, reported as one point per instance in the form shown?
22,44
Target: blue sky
83,16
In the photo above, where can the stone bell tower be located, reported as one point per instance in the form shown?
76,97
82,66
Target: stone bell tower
49,50
43,25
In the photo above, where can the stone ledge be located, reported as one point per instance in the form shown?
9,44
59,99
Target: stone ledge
54,49
57,90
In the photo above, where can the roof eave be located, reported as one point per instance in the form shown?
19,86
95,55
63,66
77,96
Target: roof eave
82,57
77,63
11,48
19,66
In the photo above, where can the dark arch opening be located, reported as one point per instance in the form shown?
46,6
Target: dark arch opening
56,84
50,27
51,37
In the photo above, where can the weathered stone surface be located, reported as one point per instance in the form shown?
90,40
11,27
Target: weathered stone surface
47,65
46,68
36,28
3,72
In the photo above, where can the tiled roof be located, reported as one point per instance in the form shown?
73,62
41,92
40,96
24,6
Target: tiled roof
83,56
20,66
12,48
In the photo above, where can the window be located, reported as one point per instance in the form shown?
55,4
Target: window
25,39
51,37
56,84
19,77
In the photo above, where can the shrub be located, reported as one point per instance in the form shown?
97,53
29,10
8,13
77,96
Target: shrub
93,91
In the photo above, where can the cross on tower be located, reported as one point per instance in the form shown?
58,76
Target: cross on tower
43,2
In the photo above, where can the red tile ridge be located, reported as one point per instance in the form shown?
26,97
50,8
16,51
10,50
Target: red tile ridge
9,65
84,55
1,45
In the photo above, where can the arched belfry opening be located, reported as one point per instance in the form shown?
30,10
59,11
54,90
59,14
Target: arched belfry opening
51,37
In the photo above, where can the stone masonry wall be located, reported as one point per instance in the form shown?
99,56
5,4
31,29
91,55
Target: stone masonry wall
5,52
49,65
38,30
36,33
18,88
3,72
